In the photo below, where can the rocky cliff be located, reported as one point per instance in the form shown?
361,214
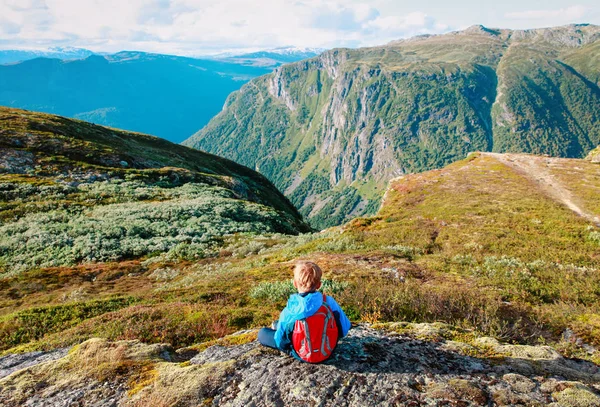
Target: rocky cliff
395,364
330,131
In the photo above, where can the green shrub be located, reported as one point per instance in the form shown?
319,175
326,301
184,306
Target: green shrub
34,323
189,225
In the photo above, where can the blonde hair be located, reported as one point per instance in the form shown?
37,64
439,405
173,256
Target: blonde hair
307,276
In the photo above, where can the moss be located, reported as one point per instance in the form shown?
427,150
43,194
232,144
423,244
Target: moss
229,340
147,375
577,396
193,384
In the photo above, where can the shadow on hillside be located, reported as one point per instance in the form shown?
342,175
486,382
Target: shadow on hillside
376,354
379,354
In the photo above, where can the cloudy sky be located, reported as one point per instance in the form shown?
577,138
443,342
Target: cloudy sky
194,27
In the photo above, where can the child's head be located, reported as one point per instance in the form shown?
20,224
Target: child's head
307,276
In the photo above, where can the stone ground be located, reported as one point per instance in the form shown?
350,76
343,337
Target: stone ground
403,364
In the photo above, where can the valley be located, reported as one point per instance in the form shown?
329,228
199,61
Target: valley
447,185
332,130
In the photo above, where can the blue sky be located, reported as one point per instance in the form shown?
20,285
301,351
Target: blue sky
194,27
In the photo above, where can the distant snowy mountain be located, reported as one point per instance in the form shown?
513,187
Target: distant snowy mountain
64,53
270,57
163,95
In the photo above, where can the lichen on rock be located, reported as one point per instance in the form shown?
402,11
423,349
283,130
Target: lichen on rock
371,367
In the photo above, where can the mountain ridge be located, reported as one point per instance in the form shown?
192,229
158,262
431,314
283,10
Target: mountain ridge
165,95
343,123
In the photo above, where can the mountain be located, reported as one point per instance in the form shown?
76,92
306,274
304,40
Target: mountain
475,284
64,53
272,57
332,130
164,95
72,192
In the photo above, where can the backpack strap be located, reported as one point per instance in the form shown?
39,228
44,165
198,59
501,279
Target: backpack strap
336,316
326,305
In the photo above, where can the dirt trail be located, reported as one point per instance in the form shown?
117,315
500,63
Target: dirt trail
536,170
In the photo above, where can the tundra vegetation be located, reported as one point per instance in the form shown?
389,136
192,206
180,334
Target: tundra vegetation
182,257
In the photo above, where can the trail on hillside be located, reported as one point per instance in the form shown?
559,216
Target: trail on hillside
536,170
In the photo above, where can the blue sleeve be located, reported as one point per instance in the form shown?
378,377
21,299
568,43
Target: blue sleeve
343,318
281,339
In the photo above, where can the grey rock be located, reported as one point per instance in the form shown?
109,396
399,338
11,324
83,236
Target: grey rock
93,394
371,367
12,363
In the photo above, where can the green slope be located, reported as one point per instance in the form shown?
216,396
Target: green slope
72,192
330,131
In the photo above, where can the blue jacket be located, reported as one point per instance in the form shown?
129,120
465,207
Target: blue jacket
302,306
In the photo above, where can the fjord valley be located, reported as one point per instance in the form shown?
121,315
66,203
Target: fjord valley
163,95
331,131
136,272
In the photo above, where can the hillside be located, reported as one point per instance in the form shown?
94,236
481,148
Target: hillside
72,192
332,130
476,283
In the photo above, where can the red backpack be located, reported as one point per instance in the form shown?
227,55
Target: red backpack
314,338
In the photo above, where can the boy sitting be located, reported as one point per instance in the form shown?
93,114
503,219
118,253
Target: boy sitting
311,323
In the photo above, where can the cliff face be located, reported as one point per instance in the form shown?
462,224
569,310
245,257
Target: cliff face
330,131
404,364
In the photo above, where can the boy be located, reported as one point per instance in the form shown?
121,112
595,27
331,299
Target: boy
303,307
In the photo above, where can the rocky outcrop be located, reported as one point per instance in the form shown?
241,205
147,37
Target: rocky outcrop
395,364
13,363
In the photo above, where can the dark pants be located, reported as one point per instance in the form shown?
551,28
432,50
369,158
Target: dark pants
266,337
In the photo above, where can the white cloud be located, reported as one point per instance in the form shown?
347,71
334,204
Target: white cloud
196,26
569,13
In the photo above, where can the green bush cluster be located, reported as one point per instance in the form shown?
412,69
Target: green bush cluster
540,282
186,222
